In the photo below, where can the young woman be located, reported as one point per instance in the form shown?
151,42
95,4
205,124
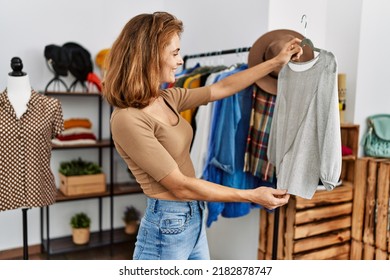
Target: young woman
154,140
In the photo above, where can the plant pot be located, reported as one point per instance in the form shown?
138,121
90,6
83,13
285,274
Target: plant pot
80,235
131,227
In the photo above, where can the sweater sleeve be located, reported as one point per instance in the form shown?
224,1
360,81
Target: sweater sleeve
271,150
276,134
328,127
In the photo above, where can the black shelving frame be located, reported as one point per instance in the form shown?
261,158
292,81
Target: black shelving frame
101,237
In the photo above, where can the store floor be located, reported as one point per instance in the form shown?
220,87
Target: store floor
122,251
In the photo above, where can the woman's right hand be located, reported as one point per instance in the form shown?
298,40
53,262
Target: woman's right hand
269,197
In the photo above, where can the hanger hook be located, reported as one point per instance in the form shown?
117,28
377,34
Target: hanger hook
304,17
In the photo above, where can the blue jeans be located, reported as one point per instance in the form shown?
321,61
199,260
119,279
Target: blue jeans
172,230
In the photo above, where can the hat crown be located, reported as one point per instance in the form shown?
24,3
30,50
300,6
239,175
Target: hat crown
267,47
274,48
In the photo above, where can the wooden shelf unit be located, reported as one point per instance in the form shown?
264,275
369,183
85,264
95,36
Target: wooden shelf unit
119,189
101,237
97,239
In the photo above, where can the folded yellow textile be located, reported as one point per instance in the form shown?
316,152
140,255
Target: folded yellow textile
77,122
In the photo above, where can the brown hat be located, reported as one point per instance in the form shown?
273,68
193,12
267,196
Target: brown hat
267,47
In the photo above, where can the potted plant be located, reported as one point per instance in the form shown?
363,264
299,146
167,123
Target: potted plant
131,217
80,223
80,177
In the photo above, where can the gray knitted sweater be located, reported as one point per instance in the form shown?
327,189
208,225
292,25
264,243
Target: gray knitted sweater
305,141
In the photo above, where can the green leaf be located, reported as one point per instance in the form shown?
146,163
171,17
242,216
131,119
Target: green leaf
79,167
80,220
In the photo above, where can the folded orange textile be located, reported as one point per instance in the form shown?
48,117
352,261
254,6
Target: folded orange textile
69,123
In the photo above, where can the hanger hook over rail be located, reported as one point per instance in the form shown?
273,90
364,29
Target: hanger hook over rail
304,17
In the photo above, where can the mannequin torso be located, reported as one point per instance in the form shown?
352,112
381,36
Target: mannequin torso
18,87
19,93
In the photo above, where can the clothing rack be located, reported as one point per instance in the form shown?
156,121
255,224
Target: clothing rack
276,211
215,53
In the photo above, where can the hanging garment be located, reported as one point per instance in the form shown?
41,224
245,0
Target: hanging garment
201,137
305,140
194,80
256,160
225,160
26,179
190,82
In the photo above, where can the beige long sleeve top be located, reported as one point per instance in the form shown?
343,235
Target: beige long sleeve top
152,149
305,140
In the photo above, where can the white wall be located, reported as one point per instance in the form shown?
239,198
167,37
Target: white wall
342,38
284,14
219,24
372,83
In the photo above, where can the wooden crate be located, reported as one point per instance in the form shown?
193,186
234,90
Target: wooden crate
310,229
370,220
319,228
81,185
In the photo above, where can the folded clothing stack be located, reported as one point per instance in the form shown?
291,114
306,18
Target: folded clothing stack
76,131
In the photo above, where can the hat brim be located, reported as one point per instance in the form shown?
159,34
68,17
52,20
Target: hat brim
257,55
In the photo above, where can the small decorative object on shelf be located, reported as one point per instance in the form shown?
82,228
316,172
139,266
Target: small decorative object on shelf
100,60
79,177
74,58
77,131
342,89
131,217
80,223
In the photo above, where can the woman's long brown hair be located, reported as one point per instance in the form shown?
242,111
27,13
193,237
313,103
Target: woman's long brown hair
132,77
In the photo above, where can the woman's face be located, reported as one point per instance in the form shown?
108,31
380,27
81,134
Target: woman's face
171,60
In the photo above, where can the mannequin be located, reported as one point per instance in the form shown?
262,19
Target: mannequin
29,120
18,87
19,93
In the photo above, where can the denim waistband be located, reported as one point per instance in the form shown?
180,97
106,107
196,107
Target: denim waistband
156,205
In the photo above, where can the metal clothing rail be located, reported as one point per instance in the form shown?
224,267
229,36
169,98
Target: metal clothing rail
215,53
